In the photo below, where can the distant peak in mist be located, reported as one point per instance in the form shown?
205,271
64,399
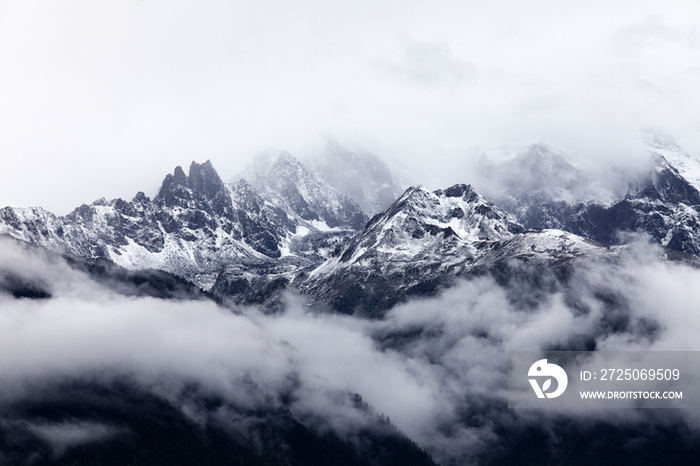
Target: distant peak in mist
657,137
361,175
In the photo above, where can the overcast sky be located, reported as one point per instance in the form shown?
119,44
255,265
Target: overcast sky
104,98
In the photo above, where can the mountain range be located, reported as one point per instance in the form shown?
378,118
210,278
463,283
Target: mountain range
281,226
339,233
248,240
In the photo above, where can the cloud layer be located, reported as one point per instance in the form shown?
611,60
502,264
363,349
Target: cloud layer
433,366
104,99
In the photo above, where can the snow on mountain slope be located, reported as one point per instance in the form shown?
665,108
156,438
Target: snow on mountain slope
229,237
33,225
423,241
189,229
233,241
421,222
685,164
192,228
281,226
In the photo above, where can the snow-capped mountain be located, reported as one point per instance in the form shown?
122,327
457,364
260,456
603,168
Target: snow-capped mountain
199,228
191,215
280,226
426,239
544,189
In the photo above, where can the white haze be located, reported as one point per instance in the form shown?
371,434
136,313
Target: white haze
104,98
423,384
63,436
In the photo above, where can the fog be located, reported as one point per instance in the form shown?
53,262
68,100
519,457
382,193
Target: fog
65,435
104,99
431,365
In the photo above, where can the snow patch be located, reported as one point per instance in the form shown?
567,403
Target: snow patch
323,226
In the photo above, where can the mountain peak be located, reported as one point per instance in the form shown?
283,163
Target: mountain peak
179,177
271,164
421,220
666,153
537,174
202,179
545,163
422,237
465,191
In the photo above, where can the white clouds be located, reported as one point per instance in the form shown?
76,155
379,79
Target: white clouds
425,63
431,365
104,99
65,435
337,354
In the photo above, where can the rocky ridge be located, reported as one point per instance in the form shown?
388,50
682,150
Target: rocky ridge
198,227
424,241
280,226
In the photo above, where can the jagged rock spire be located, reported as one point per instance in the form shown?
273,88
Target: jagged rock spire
202,179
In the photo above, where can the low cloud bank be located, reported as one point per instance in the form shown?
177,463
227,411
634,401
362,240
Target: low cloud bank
64,435
436,367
